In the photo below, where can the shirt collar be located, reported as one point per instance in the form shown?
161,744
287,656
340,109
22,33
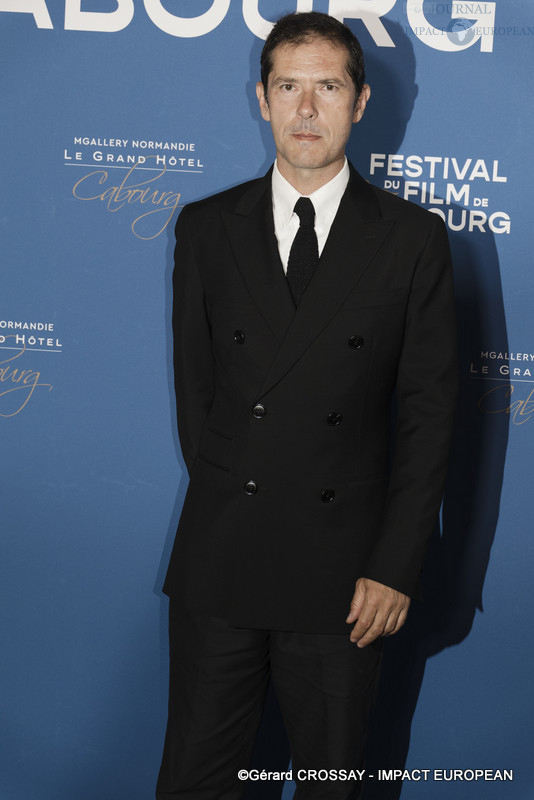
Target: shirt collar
326,199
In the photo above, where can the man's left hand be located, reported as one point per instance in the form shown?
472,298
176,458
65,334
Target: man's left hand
378,609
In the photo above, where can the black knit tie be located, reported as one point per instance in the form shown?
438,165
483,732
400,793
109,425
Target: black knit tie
304,253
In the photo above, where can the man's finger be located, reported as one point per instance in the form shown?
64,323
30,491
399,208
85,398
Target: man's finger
356,603
401,618
366,622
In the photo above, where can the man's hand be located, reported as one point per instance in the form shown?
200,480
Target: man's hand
380,611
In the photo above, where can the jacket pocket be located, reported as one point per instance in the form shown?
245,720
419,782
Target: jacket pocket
216,449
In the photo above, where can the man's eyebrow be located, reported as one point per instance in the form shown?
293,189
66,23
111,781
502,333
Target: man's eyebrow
320,81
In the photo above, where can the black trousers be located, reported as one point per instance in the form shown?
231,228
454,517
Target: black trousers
218,680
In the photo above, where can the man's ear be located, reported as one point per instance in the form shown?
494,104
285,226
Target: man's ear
262,100
363,99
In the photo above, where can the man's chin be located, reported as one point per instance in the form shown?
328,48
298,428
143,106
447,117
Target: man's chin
307,161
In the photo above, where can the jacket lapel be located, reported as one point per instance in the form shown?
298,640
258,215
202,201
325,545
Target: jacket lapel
357,233
250,230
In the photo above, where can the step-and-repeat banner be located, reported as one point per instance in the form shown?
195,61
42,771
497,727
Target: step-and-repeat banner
115,113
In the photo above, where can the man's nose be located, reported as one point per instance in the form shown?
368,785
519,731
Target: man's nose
307,108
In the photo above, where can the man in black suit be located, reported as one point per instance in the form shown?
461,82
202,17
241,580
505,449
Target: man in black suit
302,302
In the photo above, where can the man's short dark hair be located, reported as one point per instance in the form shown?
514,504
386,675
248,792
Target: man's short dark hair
299,28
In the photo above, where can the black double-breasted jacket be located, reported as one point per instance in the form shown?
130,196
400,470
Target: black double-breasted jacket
298,486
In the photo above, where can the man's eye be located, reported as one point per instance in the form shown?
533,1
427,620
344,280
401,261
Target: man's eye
329,86
287,87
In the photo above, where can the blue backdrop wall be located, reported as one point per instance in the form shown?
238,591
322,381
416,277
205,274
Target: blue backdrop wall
115,114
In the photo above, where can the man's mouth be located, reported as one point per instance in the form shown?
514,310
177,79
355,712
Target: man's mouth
305,137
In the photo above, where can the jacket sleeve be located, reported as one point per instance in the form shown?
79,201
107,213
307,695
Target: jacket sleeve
193,360
426,394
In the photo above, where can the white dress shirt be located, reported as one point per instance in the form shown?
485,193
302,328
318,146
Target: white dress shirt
325,200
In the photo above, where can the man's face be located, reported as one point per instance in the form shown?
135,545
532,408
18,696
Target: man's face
311,105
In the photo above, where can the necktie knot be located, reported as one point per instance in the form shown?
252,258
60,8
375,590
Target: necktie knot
305,211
